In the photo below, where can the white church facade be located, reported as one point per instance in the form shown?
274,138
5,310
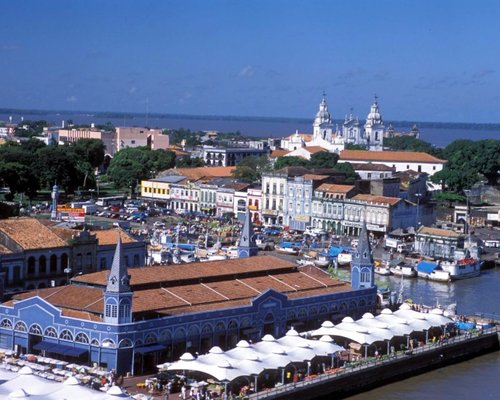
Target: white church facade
332,139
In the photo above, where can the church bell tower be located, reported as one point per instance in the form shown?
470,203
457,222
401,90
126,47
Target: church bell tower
362,267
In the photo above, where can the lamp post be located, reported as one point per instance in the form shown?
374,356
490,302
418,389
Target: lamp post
67,271
418,196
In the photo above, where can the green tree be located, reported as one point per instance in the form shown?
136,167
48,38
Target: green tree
188,162
323,160
251,168
410,143
57,164
89,150
348,169
290,161
19,178
352,146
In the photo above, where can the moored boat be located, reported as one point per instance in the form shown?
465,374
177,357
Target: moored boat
344,258
382,269
432,271
322,260
403,269
288,248
463,268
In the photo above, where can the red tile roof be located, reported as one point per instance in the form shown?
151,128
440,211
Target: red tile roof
377,199
187,288
30,234
333,188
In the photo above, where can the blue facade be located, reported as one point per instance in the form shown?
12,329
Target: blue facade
127,347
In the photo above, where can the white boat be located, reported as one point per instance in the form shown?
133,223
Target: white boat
322,261
302,262
287,248
463,268
402,269
432,271
344,258
382,269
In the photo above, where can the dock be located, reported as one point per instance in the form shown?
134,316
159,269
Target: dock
371,373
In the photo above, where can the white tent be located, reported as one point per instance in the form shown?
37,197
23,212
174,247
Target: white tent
325,329
31,384
242,351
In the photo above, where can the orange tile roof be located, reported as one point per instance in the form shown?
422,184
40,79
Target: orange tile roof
110,236
30,234
314,177
377,199
144,276
426,230
306,137
315,149
333,188
200,172
278,153
213,285
389,156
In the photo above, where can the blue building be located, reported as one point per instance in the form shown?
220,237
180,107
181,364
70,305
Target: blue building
131,319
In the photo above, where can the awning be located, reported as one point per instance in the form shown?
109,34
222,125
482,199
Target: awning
150,349
60,349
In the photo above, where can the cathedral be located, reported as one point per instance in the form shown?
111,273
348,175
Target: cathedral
326,135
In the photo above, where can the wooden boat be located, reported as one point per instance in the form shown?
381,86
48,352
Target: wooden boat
463,268
432,271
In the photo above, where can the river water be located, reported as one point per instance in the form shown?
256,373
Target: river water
439,135
474,379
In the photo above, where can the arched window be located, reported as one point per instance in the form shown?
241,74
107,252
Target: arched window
108,343
64,261
233,324
36,329
66,335
6,324
220,327
111,309
125,343
50,332
94,342
165,336
21,327
124,308
42,264
31,266
150,338
53,263
207,330
81,338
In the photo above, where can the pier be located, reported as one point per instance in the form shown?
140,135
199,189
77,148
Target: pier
369,373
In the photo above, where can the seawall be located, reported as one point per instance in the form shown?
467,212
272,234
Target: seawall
366,376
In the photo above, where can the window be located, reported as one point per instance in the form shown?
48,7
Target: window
21,327
51,332
36,330
81,338
66,335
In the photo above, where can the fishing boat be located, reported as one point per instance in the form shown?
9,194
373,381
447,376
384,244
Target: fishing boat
344,257
292,248
382,269
403,269
432,271
322,260
463,268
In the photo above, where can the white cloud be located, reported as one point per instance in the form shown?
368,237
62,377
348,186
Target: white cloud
71,99
247,72
185,97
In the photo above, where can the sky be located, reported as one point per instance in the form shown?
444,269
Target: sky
425,60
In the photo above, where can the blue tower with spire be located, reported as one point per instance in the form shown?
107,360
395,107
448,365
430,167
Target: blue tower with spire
118,293
247,246
362,267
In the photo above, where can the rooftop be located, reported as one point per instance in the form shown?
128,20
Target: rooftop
391,156
30,234
333,188
377,199
426,230
188,288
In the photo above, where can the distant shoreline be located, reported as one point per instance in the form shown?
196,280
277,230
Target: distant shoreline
299,120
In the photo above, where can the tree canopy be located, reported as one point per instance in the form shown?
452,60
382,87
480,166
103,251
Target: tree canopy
469,162
290,161
251,168
410,143
133,164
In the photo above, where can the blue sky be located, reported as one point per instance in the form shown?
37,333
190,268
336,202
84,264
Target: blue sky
425,60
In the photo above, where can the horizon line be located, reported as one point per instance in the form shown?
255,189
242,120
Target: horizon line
6,110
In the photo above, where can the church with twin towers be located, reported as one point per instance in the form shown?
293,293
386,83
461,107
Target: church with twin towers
334,138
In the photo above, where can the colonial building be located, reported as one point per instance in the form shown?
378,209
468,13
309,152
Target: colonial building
400,160
228,157
34,255
131,319
371,171
328,207
436,242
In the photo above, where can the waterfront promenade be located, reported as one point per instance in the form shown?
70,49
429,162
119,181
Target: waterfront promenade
373,372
